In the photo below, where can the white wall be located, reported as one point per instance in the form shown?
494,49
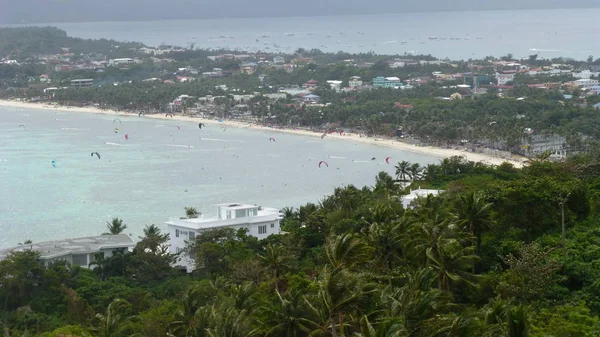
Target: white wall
177,244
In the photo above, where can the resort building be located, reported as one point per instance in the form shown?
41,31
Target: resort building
355,81
121,61
407,200
77,252
82,83
505,77
387,82
260,222
586,83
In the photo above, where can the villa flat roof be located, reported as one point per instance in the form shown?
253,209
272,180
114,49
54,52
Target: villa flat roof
84,245
266,214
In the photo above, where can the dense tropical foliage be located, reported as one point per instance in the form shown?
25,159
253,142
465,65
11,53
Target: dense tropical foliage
484,258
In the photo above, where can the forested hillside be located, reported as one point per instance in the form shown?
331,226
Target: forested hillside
485,258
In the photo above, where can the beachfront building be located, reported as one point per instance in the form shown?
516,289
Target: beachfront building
311,98
310,84
260,222
407,200
586,83
121,62
503,78
386,82
77,252
595,89
82,83
355,81
335,84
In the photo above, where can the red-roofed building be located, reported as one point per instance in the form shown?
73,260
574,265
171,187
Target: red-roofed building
310,84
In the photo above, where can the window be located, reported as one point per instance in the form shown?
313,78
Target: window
228,214
262,229
272,225
80,260
177,233
192,235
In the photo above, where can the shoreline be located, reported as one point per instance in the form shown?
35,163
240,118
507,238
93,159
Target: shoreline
488,159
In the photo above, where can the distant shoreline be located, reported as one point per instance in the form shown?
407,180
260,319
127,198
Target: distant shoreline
379,141
38,23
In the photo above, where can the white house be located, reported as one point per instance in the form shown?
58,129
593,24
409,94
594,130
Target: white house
504,78
595,89
414,194
260,222
121,61
585,74
335,84
586,83
355,81
78,251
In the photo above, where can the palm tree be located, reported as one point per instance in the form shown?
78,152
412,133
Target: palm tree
451,262
385,183
387,244
276,261
192,318
101,265
340,291
346,250
434,227
414,171
464,325
289,213
191,212
227,321
387,328
518,325
416,302
115,227
474,214
114,319
154,240
286,318
402,170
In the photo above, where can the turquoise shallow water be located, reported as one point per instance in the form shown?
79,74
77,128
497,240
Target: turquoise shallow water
144,179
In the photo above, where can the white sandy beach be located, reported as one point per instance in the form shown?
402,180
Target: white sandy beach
391,143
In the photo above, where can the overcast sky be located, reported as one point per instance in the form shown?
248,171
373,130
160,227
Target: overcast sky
47,11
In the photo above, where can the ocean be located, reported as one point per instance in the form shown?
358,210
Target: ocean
164,166
456,35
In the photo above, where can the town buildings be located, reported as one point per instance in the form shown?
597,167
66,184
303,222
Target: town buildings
387,82
355,81
586,83
121,62
260,222
82,83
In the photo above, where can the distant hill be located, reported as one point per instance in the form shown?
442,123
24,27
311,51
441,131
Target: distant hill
50,11
23,42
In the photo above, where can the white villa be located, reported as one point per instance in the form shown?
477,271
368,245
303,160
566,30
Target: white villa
78,251
407,200
121,61
355,81
260,222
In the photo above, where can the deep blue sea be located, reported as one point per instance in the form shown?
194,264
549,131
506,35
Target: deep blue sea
164,166
460,35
